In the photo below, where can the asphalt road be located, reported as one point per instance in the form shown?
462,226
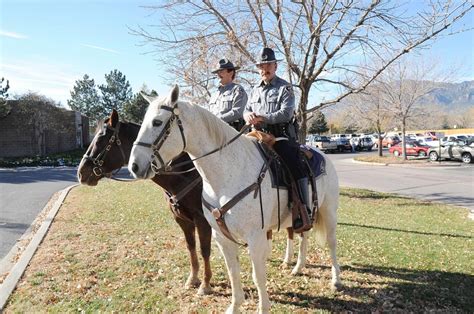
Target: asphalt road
450,182
23,194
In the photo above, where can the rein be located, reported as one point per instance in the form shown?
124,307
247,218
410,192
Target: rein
156,145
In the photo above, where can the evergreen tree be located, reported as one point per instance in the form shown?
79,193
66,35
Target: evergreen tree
4,107
319,124
86,100
135,109
116,92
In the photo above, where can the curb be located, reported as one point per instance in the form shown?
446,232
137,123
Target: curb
10,282
426,165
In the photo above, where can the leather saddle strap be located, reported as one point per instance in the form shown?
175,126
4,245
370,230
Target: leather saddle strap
314,194
174,199
221,223
219,213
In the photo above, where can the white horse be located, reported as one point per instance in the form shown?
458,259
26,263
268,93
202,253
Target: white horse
170,127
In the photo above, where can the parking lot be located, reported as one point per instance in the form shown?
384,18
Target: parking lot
450,182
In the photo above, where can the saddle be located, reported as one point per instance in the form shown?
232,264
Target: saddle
282,178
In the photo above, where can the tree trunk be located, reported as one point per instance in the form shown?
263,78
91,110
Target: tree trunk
404,149
301,112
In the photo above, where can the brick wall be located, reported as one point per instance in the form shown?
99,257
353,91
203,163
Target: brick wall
38,129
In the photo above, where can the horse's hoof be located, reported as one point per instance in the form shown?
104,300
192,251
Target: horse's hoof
336,286
192,283
297,270
232,310
204,290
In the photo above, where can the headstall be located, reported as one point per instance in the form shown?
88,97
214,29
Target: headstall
98,161
156,145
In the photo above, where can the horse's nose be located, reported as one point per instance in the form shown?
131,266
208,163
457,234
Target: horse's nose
134,168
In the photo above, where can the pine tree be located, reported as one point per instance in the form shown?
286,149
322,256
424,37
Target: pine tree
135,109
116,92
86,100
4,107
319,124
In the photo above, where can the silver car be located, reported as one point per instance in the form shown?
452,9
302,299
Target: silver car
456,151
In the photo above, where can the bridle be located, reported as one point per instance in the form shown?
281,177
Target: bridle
156,145
98,161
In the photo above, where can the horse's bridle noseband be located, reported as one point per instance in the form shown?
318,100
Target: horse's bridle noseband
98,161
156,145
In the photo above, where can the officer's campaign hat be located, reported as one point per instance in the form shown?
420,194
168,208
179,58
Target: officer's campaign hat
266,56
225,64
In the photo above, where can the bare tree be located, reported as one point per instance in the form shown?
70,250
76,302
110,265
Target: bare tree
369,111
403,85
325,43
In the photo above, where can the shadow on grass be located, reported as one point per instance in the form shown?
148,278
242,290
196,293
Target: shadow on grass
394,289
406,231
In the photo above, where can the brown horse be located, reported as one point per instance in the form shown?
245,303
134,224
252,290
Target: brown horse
110,150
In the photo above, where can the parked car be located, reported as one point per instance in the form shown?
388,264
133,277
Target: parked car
324,143
342,142
390,141
364,142
454,150
450,139
434,135
412,149
428,141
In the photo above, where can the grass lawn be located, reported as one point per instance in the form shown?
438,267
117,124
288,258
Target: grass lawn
115,247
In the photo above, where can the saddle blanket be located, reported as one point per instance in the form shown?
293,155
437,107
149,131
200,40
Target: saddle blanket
316,163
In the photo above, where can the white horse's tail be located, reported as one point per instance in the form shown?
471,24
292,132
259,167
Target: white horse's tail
326,216
320,229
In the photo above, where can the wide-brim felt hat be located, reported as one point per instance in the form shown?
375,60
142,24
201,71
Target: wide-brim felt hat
225,64
267,55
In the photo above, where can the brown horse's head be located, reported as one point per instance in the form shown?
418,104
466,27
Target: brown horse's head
108,151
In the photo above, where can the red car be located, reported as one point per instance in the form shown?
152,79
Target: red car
412,149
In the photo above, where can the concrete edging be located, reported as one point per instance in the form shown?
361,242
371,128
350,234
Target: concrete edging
10,282
427,165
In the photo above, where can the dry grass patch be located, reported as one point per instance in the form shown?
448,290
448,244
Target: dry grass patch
116,248
390,159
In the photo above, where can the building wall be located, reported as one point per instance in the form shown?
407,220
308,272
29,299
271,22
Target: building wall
38,129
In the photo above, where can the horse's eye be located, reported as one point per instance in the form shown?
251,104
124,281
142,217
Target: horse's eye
157,122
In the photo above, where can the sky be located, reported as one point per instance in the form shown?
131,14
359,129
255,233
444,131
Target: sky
46,45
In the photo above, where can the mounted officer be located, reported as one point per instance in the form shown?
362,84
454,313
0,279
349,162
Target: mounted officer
228,103
270,109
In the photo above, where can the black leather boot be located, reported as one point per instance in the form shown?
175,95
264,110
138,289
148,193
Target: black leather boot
298,223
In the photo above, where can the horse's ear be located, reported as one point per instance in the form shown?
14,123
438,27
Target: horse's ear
174,94
113,120
148,98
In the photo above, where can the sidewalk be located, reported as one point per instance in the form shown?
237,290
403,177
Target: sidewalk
13,265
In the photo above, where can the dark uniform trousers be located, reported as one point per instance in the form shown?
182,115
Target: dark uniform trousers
290,153
288,150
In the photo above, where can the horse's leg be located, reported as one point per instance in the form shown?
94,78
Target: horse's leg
289,247
301,254
230,251
325,229
205,233
258,254
189,234
332,242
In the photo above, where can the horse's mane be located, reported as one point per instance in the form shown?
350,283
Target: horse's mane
222,132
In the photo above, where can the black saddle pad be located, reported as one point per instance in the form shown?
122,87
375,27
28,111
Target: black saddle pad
279,176
317,163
